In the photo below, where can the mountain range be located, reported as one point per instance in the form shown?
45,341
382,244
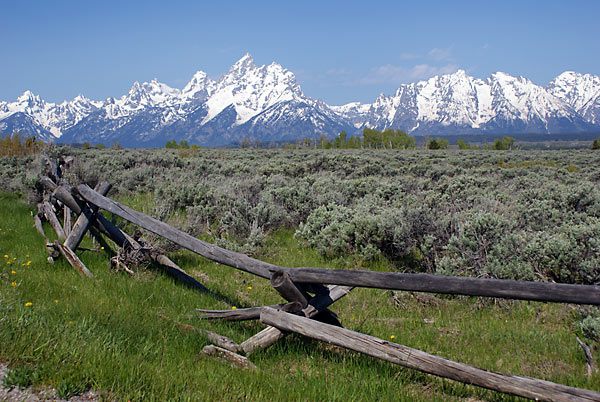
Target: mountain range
266,103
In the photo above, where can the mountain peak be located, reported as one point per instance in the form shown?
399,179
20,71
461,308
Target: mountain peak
26,96
460,73
244,64
198,86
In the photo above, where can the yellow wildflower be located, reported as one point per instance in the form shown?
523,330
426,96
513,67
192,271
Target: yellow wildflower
13,272
28,304
233,307
28,262
55,300
13,284
5,255
70,322
102,248
14,258
8,262
393,337
249,287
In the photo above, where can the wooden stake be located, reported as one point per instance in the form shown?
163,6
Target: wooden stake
51,217
67,220
282,283
72,258
86,217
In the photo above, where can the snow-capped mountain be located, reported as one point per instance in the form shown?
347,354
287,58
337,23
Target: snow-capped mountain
581,92
248,101
46,120
266,103
457,104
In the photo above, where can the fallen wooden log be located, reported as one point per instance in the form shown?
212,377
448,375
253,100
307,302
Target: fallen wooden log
219,340
415,359
537,291
263,339
235,359
51,217
238,314
73,260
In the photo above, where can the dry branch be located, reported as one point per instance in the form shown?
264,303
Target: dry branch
418,360
591,366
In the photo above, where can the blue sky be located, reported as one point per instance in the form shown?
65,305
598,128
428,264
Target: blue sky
340,51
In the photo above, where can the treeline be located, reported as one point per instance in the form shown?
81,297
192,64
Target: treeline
371,139
14,145
392,139
183,144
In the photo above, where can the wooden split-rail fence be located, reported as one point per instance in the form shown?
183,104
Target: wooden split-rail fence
308,292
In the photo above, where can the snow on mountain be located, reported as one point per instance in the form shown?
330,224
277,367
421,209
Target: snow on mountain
29,104
251,89
50,117
265,102
353,112
580,91
242,102
457,103
199,88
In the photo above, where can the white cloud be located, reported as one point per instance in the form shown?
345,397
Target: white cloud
438,54
400,75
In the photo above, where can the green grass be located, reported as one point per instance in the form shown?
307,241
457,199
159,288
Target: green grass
105,333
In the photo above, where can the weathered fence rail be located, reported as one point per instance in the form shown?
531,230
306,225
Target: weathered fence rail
536,291
309,292
418,360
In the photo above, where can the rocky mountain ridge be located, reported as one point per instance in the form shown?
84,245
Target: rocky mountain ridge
266,103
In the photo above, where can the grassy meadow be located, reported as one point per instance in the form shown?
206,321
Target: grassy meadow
62,330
